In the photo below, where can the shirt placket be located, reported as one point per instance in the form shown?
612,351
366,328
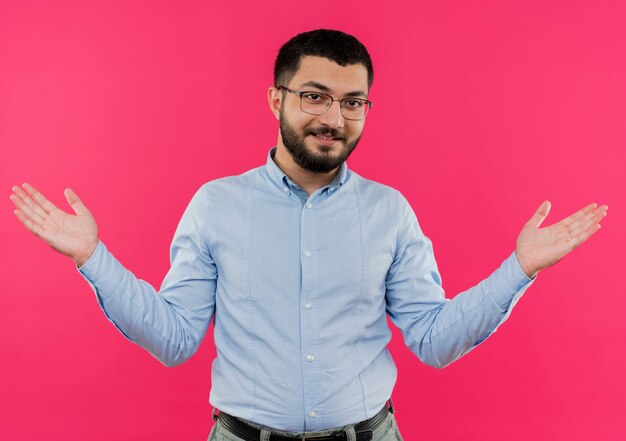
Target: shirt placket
308,316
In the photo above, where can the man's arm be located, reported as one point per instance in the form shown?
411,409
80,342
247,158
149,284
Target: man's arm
170,324
439,330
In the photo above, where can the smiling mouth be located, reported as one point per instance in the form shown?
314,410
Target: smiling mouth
326,139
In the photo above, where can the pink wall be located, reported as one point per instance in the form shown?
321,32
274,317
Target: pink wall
483,109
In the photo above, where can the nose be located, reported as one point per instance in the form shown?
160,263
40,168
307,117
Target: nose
333,116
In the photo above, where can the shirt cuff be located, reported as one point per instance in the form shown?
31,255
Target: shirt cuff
513,281
102,271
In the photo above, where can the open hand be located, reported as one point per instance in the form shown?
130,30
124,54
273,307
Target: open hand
73,235
538,248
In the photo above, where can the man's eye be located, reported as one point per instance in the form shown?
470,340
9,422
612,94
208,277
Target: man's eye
313,97
354,104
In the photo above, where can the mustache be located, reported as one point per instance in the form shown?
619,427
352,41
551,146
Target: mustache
327,131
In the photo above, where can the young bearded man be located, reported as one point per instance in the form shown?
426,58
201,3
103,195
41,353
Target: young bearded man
299,261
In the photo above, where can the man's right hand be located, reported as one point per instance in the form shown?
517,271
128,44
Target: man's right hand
75,236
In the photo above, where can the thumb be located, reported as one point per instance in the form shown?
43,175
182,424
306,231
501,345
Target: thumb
540,214
76,204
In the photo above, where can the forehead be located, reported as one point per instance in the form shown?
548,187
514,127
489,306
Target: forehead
337,78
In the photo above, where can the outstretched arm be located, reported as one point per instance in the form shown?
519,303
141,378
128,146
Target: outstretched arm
440,330
169,324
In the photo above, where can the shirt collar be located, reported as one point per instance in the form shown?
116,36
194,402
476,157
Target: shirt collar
281,179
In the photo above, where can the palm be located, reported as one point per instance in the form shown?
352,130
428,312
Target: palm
68,233
538,248
73,235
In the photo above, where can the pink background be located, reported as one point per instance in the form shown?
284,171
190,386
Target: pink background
483,109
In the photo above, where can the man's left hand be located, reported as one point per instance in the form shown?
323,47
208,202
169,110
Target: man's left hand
538,248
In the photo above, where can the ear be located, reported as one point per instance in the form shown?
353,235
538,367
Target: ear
274,99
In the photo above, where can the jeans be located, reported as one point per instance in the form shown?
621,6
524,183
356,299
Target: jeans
387,431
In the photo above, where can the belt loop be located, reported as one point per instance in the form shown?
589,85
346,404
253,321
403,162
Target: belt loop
214,414
391,408
350,433
265,435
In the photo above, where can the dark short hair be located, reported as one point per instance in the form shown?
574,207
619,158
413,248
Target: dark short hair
337,46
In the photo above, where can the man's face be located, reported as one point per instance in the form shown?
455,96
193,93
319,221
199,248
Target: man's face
321,143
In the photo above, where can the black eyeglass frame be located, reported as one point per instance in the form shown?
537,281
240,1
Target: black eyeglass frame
300,93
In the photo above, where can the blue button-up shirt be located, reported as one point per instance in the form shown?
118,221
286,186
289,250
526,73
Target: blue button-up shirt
300,287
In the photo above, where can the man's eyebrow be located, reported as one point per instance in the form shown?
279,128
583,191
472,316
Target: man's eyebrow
327,90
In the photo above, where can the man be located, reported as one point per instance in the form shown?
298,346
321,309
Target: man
299,261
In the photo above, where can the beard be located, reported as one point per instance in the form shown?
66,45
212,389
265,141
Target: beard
311,161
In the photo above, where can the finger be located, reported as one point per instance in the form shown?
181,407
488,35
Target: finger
75,202
588,221
579,214
592,227
26,211
582,237
540,214
30,225
44,203
28,201
584,221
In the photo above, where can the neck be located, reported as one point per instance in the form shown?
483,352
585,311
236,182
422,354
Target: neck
306,180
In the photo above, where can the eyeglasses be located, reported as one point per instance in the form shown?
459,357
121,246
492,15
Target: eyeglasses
317,103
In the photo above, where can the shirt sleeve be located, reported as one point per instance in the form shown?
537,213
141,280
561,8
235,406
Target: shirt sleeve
439,330
171,323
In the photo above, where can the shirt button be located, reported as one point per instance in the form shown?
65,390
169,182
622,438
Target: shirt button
307,253
310,358
308,305
308,205
285,189
312,413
